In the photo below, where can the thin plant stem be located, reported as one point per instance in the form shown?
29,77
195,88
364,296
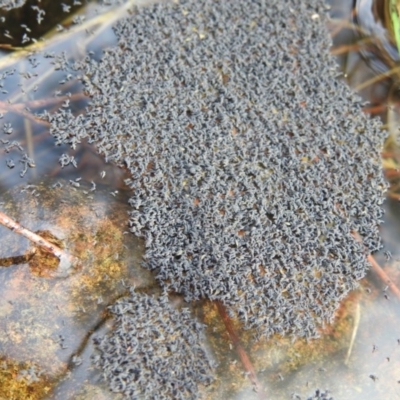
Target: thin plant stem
375,109
394,196
38,240
28,130
389,154
377,78
21,111
378,270
333,22
382,274
47,101
346,48
244,358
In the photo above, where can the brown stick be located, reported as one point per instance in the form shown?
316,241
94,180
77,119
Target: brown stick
378,270
391,173
41,102
388,154
31,117
375,109
344,48
33,237
244,358
382,274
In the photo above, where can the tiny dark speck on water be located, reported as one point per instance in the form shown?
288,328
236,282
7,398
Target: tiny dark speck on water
373,377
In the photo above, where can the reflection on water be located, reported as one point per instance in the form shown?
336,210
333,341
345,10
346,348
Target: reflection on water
33,21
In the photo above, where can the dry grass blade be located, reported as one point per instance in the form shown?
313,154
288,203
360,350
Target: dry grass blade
377,78
346,48
357,318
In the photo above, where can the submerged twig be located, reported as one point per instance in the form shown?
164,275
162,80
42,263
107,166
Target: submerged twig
377,78
20,109
346,48
378,270
375,109
38,240
382,274
39,103
244,358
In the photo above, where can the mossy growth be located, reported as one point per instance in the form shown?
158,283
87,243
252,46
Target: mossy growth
22,381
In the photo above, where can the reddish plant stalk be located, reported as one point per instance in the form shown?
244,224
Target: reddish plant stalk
378,270
244,358
38,240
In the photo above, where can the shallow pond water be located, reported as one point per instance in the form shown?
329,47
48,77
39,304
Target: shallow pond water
357,357
46,317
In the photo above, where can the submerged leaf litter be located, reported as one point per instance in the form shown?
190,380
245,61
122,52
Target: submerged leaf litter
251,165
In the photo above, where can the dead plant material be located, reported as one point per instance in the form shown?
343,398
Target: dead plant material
61,254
